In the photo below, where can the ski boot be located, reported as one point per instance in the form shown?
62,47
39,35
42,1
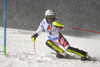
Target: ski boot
62,55
87,57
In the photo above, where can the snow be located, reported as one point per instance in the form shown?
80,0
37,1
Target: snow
20,50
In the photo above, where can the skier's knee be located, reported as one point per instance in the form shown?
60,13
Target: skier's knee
50,44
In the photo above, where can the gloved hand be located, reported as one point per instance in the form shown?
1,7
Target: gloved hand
33,38
57,24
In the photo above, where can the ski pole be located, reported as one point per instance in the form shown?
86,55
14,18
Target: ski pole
53,53
34,48
33,39
82,29
59,25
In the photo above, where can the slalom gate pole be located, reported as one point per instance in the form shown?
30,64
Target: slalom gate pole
5,4
82,29
34,48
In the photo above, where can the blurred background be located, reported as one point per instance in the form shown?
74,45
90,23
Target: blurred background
27,14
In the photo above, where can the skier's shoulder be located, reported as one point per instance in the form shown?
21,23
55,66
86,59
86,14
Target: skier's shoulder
43,21
56,20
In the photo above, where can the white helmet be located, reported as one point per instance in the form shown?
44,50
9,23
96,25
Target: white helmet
49,12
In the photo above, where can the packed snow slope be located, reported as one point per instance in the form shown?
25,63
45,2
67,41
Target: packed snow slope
27,14
20,50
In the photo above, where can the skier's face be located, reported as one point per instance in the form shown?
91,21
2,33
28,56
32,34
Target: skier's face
50,18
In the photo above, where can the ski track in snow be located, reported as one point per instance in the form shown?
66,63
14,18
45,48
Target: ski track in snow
20,50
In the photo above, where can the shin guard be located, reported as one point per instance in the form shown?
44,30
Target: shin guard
76,51
50,44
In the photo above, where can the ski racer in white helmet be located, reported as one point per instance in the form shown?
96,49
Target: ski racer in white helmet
50,15
52,26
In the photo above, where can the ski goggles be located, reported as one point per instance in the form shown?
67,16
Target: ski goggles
50,17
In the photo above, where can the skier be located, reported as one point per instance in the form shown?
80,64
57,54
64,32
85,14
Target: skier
52,26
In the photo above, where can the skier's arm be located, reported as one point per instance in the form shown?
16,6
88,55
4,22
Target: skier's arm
58,25
39,30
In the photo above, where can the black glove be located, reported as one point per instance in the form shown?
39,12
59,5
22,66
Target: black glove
56,26
34,37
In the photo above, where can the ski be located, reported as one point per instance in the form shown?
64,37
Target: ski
73,57
58,55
